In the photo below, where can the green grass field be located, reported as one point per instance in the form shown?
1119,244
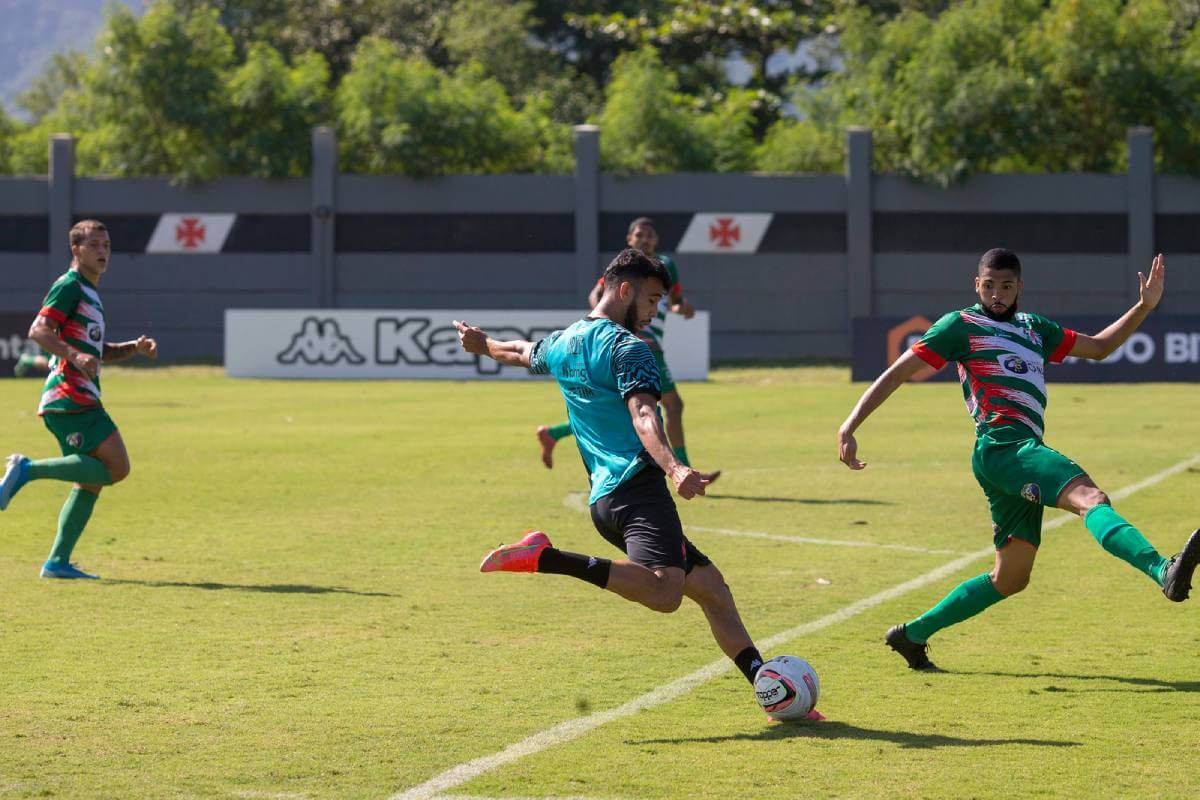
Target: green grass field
292,609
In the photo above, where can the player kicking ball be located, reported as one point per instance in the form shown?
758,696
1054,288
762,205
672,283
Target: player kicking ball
1001,355
70,327
611,384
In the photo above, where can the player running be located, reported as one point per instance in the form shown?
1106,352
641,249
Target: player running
643,237
611,384
70,327
1001,355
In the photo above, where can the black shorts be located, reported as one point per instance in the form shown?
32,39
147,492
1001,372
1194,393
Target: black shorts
639,517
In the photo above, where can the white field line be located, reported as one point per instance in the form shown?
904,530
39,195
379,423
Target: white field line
575,501
573,729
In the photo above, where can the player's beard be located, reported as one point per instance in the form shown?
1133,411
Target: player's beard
631,316
1008,313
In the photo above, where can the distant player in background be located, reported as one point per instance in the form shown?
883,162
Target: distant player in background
31,365
611,384
1001,355
643,237
70,327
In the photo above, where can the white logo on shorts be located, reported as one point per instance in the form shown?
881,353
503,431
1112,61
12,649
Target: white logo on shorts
75,440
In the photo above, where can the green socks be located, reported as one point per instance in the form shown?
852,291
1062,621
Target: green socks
681,454
560,431
74,518
1124,541
968,599
75,469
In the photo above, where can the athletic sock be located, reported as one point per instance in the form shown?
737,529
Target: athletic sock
71,521
587,568
75,469
681,454
748,661
965,601
1124,541
560,431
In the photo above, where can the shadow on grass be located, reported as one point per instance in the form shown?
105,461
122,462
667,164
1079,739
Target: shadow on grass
1146,685
268,588
842,730
807,501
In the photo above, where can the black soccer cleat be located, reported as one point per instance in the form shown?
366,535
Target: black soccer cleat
1177,578
915,654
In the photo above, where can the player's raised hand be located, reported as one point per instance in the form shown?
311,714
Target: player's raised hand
473,340
848,450
1151,289
146,347
688,482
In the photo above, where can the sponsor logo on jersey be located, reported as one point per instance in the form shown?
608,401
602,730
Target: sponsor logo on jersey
320,341
94,332
1032,492
1015,364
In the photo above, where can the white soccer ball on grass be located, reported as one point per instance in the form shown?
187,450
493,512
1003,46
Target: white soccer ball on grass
787,688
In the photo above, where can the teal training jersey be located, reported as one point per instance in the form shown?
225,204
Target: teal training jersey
1002,366
598,364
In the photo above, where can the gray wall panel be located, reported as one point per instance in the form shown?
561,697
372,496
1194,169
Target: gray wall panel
1084,193
23,195
935,303
139,195
1175,194
20,271
722,192
779,346
902,272
465,298
239,272
166,310
455,193
400,273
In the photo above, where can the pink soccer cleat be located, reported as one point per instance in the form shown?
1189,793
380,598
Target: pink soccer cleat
519,557
814,715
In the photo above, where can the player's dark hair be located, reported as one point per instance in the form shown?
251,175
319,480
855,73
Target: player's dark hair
631,263
649,223
1000,258
81,230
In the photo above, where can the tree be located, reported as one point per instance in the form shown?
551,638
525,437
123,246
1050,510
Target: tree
64,72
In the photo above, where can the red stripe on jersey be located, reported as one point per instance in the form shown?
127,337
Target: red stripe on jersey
1064,347
53,313
928,356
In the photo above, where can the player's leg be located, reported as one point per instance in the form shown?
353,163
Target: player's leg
706,586
1120,538
672,406
77,511
548,436
77,435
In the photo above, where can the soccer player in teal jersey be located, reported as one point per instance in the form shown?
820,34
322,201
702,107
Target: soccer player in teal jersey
610,381
70,327
643,237
1001,355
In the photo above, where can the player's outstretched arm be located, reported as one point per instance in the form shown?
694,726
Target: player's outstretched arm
46,333
120,351
1105,343
907,365
643,410
474,340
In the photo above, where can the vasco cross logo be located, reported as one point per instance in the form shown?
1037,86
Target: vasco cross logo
320,341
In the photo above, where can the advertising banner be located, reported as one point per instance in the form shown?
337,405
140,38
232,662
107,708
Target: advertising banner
13,328
343,343
1164,348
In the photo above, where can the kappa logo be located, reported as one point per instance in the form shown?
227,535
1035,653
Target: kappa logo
75,440
1032,492
320,341
413,340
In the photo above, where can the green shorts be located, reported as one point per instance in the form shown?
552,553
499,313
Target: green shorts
1019,478
81,431
666,382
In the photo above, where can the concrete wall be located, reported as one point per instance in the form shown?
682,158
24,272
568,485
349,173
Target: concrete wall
838,246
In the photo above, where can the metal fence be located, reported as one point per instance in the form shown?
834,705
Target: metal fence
835,247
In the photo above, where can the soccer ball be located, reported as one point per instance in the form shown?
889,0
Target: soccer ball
787,687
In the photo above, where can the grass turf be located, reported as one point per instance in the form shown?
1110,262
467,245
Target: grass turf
291,606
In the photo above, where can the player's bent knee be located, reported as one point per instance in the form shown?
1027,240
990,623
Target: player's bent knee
1008,585
119,471
667,603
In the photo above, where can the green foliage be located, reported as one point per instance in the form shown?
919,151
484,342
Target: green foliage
403,115
8,130
65,71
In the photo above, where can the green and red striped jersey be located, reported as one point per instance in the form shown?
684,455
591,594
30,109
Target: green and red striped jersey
652,334
74,305
1002,366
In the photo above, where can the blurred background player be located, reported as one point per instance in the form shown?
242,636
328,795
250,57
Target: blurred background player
32,365
643,237
70,327
1001,356
610,381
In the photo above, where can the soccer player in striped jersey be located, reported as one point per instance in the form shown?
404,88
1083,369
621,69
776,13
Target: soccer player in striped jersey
642,236
1001,355
70,327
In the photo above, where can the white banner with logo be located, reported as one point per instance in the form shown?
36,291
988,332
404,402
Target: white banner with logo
724,233
190,233
340,343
